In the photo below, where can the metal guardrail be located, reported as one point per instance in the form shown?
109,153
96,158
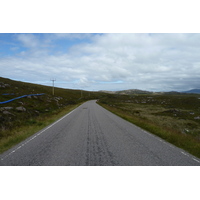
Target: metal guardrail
21,97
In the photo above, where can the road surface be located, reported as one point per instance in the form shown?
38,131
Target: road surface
93,136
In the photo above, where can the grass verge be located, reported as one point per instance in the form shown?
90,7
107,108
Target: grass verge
186,142
25,131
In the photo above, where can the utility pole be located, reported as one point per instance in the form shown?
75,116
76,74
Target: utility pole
53,86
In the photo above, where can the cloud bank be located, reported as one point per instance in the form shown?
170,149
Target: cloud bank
155,62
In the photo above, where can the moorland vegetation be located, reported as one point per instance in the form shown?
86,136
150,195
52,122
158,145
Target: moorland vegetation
173,117
23,117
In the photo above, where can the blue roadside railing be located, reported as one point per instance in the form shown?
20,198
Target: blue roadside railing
21,97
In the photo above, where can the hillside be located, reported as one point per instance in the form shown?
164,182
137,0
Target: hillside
32,106
33,109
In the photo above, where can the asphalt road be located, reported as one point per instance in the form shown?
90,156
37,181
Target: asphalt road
92,136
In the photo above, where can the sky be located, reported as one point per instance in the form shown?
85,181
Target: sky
103,61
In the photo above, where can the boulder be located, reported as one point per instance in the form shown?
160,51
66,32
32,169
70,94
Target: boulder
5,112
21,108
6,108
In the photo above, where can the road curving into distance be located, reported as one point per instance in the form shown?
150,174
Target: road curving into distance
92,136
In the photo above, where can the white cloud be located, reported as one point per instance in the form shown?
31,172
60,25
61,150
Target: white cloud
71,36
28,40
111,61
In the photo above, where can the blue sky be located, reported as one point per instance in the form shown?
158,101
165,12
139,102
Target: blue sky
11,44
155,62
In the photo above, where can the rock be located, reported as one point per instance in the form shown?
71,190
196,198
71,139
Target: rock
197,117
4,85
185,131
21,108
57,98
6,108
5,112
36,111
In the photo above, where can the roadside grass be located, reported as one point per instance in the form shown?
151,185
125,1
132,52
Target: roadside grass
172,121
32,126
25,116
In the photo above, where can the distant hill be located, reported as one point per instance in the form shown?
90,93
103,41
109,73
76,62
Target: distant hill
128,92
136,91
109,92
133,91
194,91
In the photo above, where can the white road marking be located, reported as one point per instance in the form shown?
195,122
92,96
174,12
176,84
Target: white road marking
190,156
196,160
33,137
171,145
184,153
